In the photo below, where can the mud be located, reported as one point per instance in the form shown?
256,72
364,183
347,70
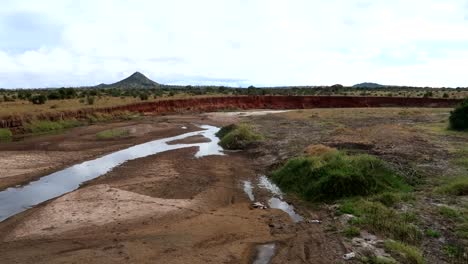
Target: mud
171,207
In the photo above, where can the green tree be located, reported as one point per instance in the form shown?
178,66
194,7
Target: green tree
459,117
39,99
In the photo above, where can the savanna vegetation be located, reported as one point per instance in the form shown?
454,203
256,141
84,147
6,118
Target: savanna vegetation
237,136
26,100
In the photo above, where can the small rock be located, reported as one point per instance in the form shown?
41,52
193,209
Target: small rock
344,219
314,221
349,256
259,205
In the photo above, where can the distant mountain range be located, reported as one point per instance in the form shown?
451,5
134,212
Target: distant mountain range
134,81
138,81
368,85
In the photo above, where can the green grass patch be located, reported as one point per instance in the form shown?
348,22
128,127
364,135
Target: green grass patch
5,134
43,126
432,233
335,175
455,186
454,251
449,212
377,218
113,134
378,260
404,253
352,231
238,136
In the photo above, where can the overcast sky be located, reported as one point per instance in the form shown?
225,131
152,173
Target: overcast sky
238,42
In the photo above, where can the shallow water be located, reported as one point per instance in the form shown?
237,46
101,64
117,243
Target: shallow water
265,183
277,200
18,199
284,206
265,253
248,189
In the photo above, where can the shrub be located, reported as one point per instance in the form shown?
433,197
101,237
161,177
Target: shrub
336,175
39,99
238,137
5,134
225,130
459,117
457,186
90,100
143,96
405,253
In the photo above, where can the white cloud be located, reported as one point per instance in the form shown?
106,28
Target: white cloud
262,42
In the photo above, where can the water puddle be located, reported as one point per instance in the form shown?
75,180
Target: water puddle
265,183
265,253
277,200
285,207
248,189
18,199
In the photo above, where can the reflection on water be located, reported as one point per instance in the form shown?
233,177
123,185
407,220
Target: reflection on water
277,200
248,189
284,206
18,199
265,253
265,183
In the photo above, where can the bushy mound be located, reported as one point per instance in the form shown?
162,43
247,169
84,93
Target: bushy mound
459,117
237,136
336,175
225,130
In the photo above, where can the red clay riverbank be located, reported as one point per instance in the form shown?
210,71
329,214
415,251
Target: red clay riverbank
238,102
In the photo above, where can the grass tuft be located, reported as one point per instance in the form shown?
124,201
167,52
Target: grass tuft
432,233
335,175
405,253
113,134
237,136
457,186
352,231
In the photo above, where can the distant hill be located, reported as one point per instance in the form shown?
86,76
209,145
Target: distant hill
368,85
134,81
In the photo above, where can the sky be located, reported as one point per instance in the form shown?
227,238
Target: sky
54,43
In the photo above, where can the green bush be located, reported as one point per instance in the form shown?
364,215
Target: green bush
90,100
41,126
5,134
405,253
336,175
459,117
456,186
39,99
225,130
238,137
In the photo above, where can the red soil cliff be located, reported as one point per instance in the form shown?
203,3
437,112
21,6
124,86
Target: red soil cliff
238,102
